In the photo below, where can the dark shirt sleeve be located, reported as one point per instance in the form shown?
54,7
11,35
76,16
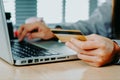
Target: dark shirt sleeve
116,59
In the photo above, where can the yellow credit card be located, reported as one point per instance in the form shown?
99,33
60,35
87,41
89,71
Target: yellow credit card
65,35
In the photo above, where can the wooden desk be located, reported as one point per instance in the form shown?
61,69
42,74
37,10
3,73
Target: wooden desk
70,70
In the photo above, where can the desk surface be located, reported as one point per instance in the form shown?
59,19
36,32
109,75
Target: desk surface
70,70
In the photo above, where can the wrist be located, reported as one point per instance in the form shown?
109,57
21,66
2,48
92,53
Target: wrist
116,47
116,53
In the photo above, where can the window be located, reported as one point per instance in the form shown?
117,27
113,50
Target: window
100,2
9,6
50,10
25,9
76,10
53,11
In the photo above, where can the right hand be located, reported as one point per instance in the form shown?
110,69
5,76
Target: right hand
96,51
43,32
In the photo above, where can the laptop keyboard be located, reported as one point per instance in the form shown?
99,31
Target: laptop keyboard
24,49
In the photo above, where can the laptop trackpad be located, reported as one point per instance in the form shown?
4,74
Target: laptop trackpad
55,45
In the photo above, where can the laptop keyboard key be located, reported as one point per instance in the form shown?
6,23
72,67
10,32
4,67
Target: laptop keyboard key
24,49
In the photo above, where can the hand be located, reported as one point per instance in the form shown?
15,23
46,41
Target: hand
43,31
96,51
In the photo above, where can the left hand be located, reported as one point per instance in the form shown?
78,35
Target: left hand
96,51
43,31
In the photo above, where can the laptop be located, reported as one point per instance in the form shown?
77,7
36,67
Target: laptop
27,52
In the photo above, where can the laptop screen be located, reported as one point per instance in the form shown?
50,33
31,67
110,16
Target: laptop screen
4,37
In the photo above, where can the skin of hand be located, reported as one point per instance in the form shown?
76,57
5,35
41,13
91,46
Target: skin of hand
43,32
96,51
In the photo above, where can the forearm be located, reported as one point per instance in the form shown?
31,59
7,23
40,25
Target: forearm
98,23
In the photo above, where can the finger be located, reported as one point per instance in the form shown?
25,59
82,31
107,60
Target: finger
20,30
23,34
86,45
93,37
37,35
73,47
92,63
87,57
31,27
90,52
29,36
78,50
27,28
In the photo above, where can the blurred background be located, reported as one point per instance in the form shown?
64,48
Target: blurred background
52,11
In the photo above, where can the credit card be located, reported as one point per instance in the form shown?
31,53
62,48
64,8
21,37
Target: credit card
65,35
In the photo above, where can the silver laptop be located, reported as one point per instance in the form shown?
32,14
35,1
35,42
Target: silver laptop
25,53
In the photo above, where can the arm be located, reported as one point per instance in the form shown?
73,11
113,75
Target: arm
35,30
98,23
